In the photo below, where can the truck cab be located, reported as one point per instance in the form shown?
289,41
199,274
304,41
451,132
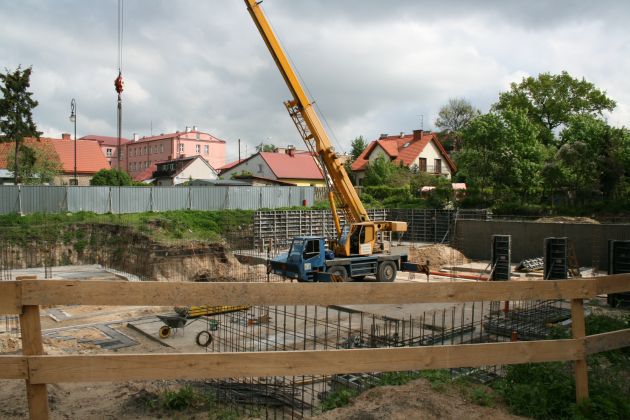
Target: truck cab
305,258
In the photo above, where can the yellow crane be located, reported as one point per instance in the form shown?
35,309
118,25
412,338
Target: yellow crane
360,235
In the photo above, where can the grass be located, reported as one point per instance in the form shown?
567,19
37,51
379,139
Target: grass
165,227
187,400
547,390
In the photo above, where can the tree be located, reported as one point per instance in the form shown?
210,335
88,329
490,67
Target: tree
16,106
39,164
266,148
378,172
593,159
453,118
111,177
503,156
358,146
552,100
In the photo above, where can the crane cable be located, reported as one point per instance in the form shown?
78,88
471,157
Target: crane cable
118,82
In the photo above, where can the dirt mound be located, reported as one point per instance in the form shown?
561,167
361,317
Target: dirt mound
567,219
10,344
415,400
438,255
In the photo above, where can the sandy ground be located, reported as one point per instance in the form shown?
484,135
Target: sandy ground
415,400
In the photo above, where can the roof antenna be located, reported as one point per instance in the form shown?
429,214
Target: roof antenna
119,83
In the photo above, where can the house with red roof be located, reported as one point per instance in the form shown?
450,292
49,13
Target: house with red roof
286,165
89,159
421,150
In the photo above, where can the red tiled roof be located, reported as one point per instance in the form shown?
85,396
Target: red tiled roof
90,159
404,149
299,166
230,165
146,174
106,140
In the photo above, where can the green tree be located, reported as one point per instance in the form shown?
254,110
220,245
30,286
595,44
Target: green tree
452,119
266,148
111,177
16,118
594,159
379,172
358,146
38,164
502,157
551,100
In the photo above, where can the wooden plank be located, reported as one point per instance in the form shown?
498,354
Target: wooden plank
36,394
613,283
13,367
125,367
9,298
607,341
67,292
580,367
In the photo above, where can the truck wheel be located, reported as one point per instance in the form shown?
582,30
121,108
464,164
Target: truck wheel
339,271
386,272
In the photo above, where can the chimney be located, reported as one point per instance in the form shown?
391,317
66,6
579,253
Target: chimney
194,128
136,137
402,134
383,136
187,129
65,136
290,150
417,134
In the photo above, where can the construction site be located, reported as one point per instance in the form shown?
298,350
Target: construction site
213,300
94,252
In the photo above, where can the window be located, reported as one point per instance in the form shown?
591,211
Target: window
422,164
109,152
260,168
133,166
206,149
311,249
135,151
181,148
161,148
144,150
198,148
122,156
438,166
197,136
406,145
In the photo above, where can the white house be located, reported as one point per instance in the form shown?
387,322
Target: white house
421,149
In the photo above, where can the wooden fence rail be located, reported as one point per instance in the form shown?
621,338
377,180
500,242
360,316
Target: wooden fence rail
24,297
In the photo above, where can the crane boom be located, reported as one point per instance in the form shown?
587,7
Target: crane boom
364,236
308,123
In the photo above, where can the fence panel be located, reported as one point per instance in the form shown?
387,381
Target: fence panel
168,198
244,198
9,199
94,199
131,199
43,199
213,198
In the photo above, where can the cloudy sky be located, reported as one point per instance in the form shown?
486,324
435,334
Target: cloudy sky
372,66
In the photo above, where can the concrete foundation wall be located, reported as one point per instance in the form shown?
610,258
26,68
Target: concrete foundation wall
591,241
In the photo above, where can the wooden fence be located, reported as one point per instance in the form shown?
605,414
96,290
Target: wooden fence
24,297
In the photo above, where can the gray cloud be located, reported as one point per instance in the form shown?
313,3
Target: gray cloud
371,66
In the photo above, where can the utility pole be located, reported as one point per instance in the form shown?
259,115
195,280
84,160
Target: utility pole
239,150
73,118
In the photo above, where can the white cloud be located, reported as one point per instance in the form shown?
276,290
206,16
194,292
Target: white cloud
373,67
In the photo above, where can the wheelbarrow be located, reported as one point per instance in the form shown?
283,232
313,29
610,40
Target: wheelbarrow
172,322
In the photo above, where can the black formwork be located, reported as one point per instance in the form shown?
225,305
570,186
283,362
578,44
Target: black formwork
500,257
618,263
556,265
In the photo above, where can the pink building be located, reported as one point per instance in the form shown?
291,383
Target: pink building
109,147
140,153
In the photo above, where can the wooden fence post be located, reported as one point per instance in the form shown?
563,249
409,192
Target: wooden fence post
579,332
31,329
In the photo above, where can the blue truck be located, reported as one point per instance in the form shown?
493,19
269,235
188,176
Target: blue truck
309,260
